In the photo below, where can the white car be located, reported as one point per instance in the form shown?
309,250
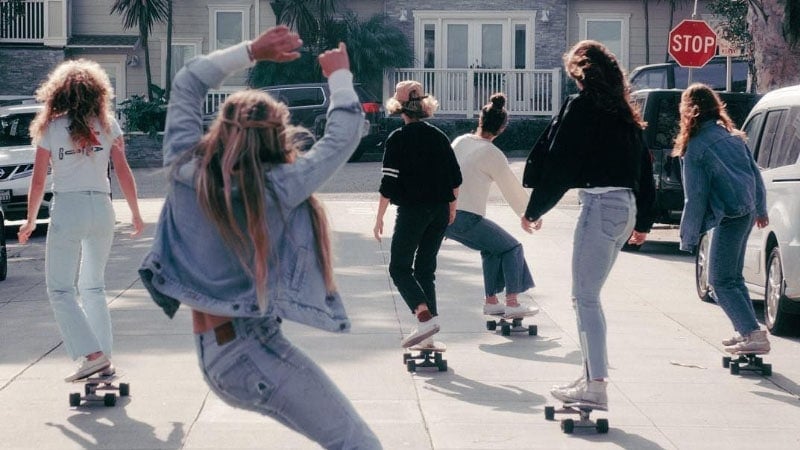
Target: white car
772,256
17,156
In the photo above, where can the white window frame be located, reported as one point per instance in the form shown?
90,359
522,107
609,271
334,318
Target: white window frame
474,19
196,42
242,7
625,27
121,84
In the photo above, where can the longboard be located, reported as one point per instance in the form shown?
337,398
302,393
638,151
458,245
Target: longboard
512,323
428,357
583,410
93,384
748,362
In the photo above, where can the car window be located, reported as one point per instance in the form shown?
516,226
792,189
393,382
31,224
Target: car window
667,122
14,129
753,131
307,96
654,77
787,146
771,127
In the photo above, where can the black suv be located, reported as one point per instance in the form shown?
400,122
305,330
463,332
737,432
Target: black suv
308,105
670,75
659,109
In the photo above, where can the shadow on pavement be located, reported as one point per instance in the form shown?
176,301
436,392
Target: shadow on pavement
499,398
510,349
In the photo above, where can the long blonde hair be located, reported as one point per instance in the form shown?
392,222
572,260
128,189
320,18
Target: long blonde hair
251,133
698,104
81,90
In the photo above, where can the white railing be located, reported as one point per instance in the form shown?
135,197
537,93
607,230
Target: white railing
464,91
216,97
24,25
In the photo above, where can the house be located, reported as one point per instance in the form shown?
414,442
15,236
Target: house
464,50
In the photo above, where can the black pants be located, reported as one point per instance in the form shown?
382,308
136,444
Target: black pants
418,234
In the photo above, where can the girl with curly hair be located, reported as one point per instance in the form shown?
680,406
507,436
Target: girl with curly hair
77,135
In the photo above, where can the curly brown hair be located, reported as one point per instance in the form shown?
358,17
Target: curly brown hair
700,103
79,89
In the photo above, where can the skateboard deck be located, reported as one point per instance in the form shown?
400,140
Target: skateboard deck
93,384
507,326
747,362
427,357
583,410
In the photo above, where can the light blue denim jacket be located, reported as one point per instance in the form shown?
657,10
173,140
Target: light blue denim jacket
720,179
190,263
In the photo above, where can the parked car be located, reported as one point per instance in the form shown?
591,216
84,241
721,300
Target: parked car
772,255
659,108
308,105
670,75
17,156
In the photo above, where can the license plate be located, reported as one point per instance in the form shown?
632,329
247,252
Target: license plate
5,195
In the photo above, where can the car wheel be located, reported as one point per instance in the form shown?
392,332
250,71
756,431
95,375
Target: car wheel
777,321
701,269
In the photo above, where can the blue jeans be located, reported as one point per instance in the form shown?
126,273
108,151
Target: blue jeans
502,256
604,225
725,265
79,241
418,234
259,370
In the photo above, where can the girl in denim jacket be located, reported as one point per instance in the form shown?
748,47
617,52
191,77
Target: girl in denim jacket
243,243
724,191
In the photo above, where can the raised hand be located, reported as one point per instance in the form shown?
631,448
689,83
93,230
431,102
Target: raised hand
277,44
332,60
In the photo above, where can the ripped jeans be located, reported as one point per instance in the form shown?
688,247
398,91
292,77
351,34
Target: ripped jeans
257,369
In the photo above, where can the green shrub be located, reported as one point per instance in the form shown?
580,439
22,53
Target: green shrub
146,116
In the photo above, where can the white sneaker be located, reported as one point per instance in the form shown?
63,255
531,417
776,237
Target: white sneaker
591,392
572,384
423,331
426,343
755,342
89,368
494,309
520,311
732,340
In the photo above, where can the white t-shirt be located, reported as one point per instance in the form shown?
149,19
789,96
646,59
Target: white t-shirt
75,169
482,164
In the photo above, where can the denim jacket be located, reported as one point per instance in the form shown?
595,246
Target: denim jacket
720,179
190,263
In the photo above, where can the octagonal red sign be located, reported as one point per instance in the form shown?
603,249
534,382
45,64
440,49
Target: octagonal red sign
692,43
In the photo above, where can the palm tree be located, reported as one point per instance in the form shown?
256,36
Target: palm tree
168,79
142,14
775,27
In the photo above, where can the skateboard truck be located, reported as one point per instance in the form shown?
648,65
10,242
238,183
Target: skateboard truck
428,357
507,326
583,410
748,362
95,383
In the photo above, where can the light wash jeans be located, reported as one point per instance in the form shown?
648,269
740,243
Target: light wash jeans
502,256
725,265
604,225
259,370
79,241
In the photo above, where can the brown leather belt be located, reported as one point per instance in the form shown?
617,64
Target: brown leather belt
225,333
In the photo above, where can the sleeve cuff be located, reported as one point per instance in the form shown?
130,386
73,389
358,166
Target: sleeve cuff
233,58
340,79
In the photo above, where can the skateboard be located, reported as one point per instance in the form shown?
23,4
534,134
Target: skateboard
583,410
93,384
429,357
509,324
752,363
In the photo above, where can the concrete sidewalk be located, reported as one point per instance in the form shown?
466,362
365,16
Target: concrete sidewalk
667,386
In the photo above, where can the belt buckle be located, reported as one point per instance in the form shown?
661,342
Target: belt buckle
225,333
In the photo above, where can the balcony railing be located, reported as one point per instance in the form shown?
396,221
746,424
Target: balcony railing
24,23
464,91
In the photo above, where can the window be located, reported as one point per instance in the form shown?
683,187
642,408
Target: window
788,147
753,131
14,129
429,51
230,24
610,29
116,74
294,97
767,147
182,51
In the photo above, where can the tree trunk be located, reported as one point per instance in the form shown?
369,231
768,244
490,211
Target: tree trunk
148,75
646,31
168,80
777,62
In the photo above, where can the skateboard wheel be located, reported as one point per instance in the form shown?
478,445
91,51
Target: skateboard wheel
766,370
442,366
726,361
549,413
568,426
124,389
110,399
75,399
506,330
532,330
491,325
411,365
734,368
406,357
602,426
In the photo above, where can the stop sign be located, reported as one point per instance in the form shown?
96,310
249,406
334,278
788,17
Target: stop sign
692,43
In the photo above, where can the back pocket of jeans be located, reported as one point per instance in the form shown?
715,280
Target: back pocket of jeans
614,219
244,382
